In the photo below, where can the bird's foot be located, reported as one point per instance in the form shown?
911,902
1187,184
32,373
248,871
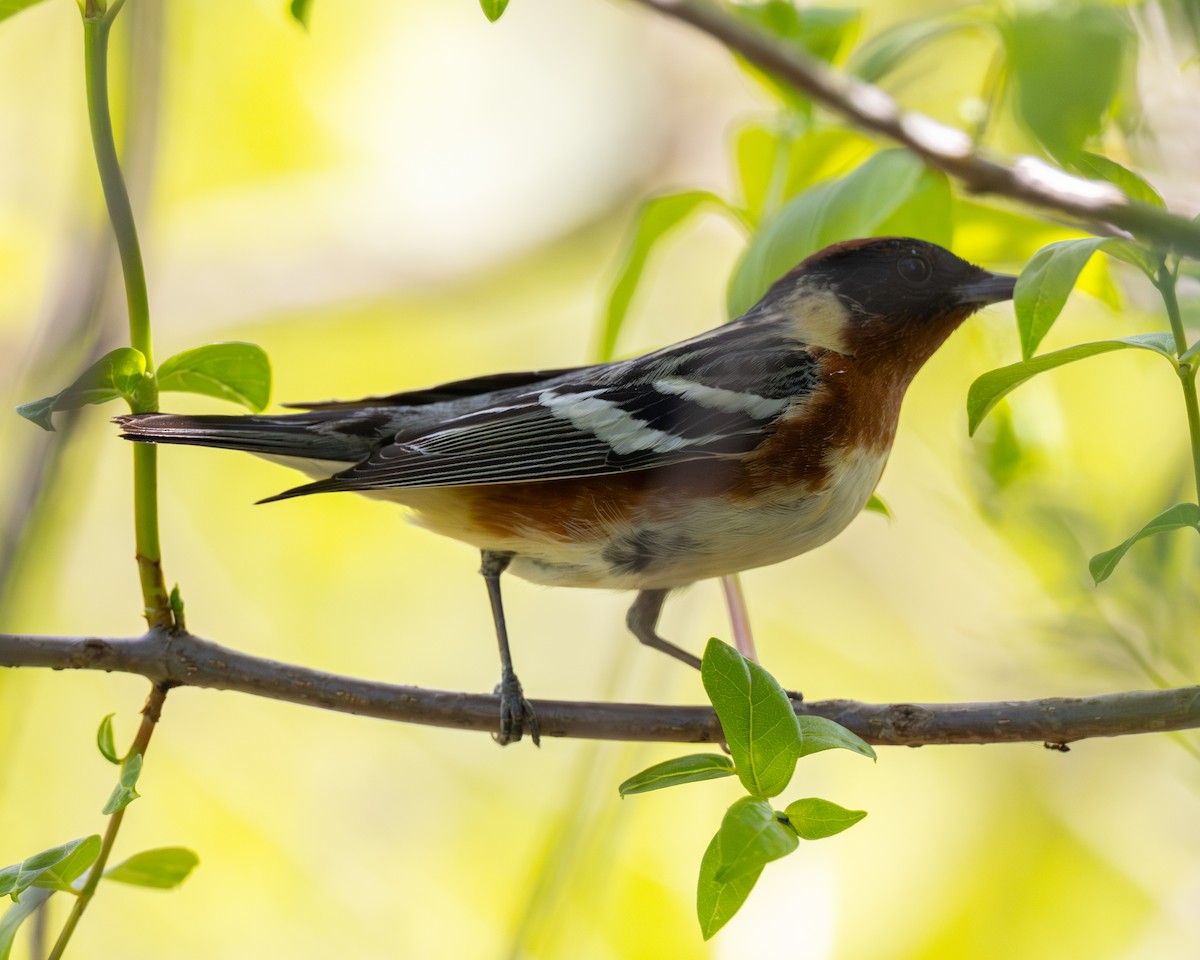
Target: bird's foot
516,713
795,696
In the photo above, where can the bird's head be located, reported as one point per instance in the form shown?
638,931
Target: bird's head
886,300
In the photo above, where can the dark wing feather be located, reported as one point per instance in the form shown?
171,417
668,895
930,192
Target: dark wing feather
444,392
715,396
530,442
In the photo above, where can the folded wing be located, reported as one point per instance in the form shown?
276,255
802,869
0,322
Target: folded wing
718,395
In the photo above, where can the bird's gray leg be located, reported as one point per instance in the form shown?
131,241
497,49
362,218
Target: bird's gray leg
516,713
642,620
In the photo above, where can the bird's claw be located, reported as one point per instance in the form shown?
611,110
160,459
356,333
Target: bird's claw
516,713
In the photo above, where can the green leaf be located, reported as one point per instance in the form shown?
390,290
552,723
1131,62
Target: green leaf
163,868
1177,517
1190,354
756,716
760,148
1098,167
825,32
118,373
717,901
751,836
1044,285
990,388
671,773
756,149
177,608
821,32
9,7
233,371
1054,270
657,217
15,915
54,868
896,45
104,740
821,733
878,505
124,793
1132,253
1005,456
1096,280
1066,61
301,11
493,9
813,818
892,193
822,154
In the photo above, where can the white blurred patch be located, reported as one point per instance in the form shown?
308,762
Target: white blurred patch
479,138
791,912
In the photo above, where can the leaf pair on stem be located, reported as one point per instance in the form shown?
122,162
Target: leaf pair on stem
234,371
766,738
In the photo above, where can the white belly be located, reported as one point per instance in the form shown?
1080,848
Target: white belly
710,540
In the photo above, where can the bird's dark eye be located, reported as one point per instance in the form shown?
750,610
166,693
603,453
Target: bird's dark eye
913,269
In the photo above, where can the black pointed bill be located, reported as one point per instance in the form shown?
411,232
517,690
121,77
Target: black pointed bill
989,288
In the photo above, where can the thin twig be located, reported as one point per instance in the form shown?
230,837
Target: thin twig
176,658
150,715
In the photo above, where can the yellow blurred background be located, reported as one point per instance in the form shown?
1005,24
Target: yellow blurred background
406,194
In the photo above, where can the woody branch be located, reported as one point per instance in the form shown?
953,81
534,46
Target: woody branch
175,658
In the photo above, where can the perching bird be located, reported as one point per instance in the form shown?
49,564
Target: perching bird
740,447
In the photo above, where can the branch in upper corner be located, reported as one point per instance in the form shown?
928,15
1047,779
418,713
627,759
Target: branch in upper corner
181,659
1027,179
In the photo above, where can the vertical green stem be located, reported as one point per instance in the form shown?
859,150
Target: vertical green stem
145,522
96,26
1187,371
116,196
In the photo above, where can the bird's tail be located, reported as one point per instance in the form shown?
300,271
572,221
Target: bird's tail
317,435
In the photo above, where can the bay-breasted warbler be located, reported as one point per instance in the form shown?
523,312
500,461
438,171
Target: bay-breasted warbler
740,447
